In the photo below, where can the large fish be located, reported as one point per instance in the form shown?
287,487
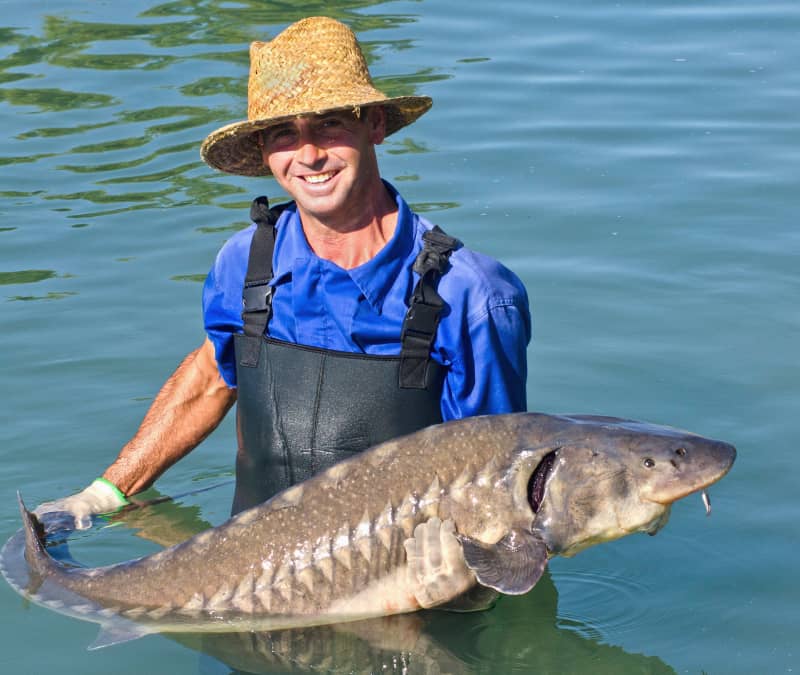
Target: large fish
482,502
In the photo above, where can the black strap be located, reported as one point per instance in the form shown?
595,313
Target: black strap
257,293
419,325
425,308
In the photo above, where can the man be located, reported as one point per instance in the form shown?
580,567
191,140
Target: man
338,321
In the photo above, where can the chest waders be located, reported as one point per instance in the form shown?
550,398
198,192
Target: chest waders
302,409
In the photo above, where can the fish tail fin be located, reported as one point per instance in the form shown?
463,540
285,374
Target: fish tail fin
36,554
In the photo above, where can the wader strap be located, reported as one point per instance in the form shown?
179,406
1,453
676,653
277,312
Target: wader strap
425,308
257,293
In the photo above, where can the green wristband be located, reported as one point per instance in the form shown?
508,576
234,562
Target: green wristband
114,489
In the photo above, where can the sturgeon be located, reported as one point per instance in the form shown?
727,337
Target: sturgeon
503,493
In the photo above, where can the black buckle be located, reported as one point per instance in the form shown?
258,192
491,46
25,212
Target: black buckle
421,314
435,252
257,297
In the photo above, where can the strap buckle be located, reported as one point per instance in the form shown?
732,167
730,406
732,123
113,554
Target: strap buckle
257,297
436,250
421,321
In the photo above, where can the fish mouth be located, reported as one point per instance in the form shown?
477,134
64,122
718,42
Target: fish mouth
655,526
670,494
538,481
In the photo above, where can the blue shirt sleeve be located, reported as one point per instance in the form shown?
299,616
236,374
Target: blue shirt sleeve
489,373
486,349
222,300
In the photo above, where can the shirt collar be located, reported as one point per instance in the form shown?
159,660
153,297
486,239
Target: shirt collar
375,277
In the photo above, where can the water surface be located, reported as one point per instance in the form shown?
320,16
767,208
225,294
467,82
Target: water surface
634,162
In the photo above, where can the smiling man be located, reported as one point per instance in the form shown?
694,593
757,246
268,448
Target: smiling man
339,319
327,163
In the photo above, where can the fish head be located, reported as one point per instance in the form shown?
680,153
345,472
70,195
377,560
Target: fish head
607,478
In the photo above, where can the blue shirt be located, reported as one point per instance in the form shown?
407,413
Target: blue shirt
482,336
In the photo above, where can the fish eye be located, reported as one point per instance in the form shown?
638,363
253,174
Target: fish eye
681,452
649,463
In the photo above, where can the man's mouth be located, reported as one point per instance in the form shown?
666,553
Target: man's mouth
316,178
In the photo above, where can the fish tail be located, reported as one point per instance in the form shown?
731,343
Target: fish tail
36,554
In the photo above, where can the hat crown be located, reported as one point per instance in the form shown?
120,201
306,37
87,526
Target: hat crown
313,65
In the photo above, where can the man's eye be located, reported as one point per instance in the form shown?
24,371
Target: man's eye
281,137
331,124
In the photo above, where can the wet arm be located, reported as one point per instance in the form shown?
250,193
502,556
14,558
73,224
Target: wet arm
190,405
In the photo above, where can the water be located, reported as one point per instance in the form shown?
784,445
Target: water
634,162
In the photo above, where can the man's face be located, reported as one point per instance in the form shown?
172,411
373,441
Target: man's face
327,163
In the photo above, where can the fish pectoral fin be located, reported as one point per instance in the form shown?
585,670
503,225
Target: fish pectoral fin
117,632
512,566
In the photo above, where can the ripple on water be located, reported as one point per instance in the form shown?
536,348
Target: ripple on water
601,606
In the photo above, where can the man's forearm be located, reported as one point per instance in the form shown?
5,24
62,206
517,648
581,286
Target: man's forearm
190,405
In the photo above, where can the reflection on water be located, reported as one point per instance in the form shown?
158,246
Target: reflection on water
518,636
32,277
130,137
25,276
50,295
387,645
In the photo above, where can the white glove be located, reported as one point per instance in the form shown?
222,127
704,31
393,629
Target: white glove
102,496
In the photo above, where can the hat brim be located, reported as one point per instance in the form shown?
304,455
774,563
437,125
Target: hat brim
234,147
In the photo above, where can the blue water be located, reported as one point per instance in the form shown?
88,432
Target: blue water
636,163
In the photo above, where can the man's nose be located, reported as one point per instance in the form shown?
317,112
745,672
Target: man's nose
309,152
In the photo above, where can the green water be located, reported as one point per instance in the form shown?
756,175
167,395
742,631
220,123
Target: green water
635,162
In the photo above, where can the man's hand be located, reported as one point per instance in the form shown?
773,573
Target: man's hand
189,406
101,496
437,571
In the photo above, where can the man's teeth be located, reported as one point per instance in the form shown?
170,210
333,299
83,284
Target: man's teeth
318,177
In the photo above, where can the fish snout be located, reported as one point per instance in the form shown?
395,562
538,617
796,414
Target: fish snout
685,468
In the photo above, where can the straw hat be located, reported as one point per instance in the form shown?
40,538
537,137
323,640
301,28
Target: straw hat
314,66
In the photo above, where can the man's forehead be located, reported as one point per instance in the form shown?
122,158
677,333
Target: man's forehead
317,117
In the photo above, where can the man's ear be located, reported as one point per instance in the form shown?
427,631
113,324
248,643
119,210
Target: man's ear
376,123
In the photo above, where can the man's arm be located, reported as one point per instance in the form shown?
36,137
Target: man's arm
190,405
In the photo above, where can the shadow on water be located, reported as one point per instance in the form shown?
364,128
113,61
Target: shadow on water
520,634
